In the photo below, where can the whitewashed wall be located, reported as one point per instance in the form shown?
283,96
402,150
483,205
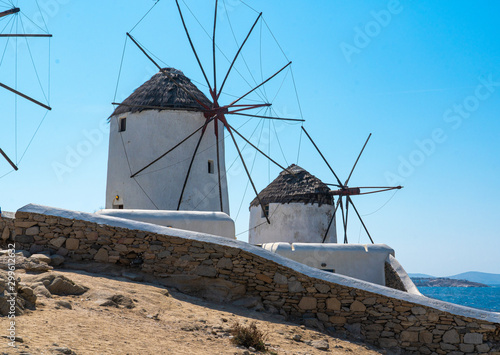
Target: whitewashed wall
148,135
215,223
363,262
292,223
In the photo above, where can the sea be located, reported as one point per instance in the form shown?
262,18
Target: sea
485,298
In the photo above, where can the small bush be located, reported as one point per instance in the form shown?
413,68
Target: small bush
248,336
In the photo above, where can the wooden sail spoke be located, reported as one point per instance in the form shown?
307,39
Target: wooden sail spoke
359,156
246,107
213,54
322,156
349,200
25,35
260,151
170,77
25,96
266,117
190,166
216,130
14,166
12,11
331,220
171,149
249,177
258,86
383,190
343,220
237,54
192,47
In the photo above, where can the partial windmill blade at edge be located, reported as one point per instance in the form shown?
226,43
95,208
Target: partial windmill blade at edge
14,166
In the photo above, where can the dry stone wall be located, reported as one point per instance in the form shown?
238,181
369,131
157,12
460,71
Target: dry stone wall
378,315
7,230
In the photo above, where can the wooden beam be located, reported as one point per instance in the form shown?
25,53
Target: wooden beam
10,12
8,160
25,96
25,35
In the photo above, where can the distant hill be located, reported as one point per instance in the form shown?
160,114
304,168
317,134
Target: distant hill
481,277
443,282
425,276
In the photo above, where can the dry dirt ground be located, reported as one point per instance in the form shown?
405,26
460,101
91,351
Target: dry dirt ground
118,316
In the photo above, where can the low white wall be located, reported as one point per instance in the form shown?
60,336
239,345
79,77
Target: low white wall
363,262
215,223
292,223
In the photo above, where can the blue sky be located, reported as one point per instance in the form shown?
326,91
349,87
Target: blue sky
422,77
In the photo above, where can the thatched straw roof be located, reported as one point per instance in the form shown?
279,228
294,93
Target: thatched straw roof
287,188
160,91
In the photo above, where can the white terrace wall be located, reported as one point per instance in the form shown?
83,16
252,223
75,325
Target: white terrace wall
392,319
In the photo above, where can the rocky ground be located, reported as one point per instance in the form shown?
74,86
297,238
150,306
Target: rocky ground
76,312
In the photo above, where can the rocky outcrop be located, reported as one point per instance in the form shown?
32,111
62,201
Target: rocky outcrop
444,282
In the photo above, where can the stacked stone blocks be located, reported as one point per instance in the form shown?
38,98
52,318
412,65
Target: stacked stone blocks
387,322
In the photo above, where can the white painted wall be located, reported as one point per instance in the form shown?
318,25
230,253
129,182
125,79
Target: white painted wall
363,262
148,135
215,223
292,223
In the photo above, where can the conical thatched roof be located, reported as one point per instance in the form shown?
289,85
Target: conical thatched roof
287,188
160,91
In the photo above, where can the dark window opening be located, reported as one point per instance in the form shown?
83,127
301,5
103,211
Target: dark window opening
265,212
210,166
122,124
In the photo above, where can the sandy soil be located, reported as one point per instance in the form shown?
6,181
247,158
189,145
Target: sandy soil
161,322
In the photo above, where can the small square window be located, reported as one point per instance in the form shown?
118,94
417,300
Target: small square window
265,212
122,124
210,166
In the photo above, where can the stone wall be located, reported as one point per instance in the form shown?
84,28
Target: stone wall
378,315
7,231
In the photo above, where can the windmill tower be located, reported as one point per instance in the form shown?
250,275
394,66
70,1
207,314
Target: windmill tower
151,121
166,147
299,206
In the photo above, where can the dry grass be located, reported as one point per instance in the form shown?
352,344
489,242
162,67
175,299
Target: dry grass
249,336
